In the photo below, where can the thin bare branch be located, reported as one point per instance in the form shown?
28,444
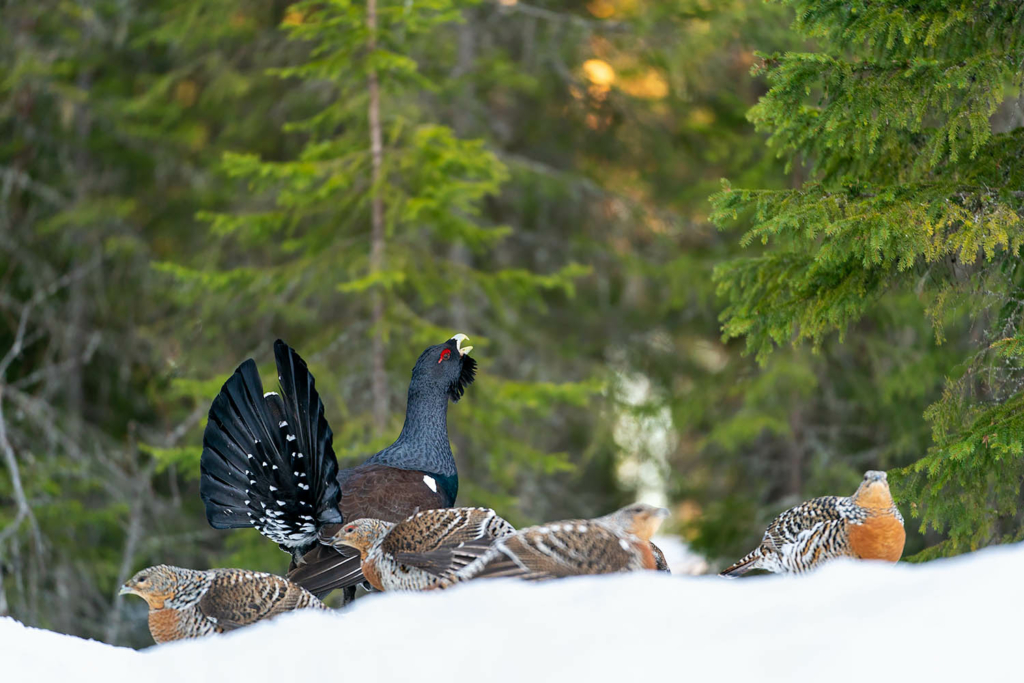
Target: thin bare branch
588,186
12,177
134,533
46,420
561,17
49,371
41,295
20,500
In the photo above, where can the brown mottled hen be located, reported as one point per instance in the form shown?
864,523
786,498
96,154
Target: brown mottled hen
191,603
618,542
421,551
866,525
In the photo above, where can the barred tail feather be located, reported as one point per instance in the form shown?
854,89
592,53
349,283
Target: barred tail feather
498,561
749,562
324,569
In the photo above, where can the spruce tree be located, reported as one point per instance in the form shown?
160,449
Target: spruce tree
907,120
367,244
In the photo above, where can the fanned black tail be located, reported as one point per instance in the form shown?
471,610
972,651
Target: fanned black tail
268,460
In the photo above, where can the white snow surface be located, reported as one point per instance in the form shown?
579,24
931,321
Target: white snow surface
949,620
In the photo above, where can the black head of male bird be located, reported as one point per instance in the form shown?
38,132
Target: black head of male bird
441,374
268,460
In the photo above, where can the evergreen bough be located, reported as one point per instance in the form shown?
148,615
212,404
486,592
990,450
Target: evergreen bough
905,121
300,250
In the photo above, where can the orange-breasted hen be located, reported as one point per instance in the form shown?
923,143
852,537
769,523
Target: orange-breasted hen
866,525
190,603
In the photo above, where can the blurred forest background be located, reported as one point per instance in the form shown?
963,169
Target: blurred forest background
183,182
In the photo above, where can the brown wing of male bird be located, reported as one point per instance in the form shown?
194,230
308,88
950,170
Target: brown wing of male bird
550,552
237,599
387,493
372,491
433,540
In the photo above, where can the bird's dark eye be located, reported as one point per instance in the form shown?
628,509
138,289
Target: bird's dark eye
350,529
445,355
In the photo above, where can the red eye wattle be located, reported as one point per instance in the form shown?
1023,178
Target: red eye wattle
445,355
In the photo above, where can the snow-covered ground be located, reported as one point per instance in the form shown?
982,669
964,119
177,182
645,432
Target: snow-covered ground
951,620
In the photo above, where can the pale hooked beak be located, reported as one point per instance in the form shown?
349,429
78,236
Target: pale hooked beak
661,513
459,338
125,590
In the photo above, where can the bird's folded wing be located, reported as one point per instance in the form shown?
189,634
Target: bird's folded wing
660,563
447,528
571,548
445,562
444,541
818,516
237,600
381,492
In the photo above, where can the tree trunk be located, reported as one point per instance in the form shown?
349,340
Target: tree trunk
135,531
73,386
379,375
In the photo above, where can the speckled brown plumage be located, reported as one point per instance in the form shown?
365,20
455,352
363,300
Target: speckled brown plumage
419,552
867,525
191,603
619,542
660,563
370,492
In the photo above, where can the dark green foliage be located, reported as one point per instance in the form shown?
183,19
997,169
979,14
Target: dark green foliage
301,244
184,182
915,191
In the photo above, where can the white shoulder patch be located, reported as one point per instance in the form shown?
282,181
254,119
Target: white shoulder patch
271,393
429,481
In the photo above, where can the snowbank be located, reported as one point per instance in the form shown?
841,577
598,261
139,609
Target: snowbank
951,620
